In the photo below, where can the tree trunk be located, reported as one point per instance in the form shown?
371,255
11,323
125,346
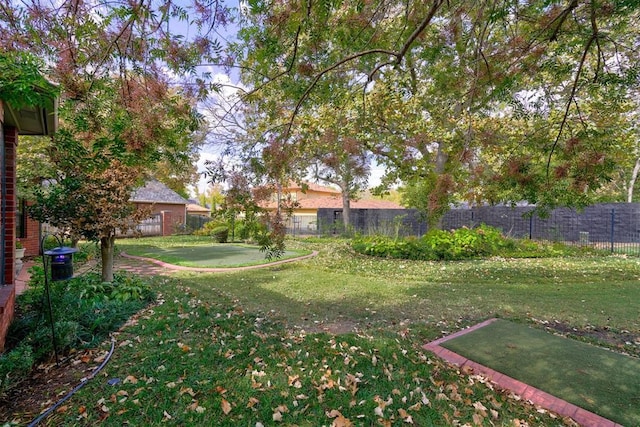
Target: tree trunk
632,181
441,163
441,160
346,210
107,245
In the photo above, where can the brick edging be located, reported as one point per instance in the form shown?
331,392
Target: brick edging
536,396
217,269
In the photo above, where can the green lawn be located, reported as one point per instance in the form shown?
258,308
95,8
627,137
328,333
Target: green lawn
192,251
341,286
255,347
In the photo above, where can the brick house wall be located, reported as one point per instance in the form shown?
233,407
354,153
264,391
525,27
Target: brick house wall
31,242
173,216
168,226
7,289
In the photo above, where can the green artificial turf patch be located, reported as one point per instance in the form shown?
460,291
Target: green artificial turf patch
210,255
596,379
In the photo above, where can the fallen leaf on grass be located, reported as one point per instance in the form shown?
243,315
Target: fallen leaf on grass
226,406
252,402
130,379
100,358
294,381
478,419
405,416
339,419
482,410
196,407
187,390
282,408
277,414
62,409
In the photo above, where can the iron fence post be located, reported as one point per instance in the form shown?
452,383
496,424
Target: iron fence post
530,226
613,218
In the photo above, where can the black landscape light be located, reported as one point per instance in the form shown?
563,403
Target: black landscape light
61,261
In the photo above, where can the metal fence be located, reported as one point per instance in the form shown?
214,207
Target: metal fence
614,226
196,222
302,225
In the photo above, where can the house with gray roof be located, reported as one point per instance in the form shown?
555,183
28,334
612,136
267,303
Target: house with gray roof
168,208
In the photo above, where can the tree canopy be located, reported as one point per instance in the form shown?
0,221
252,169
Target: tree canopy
479,101
496,101
128,84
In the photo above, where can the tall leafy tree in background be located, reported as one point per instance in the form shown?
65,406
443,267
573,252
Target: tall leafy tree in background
329,139
516,101
122,111
254,160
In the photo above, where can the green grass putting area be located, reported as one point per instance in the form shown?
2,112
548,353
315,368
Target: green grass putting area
596,379
202,254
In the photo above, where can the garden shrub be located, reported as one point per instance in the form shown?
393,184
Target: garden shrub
247,229
463,243
207,229
220,234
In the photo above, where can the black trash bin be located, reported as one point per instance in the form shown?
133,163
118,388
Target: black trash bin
61,262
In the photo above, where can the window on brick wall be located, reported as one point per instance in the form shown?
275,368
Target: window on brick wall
21,219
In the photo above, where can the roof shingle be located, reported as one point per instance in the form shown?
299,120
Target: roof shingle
156,192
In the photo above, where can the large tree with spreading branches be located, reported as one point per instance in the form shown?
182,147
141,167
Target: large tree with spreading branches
495,101
123,111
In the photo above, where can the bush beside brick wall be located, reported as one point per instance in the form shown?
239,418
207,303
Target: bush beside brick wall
619,222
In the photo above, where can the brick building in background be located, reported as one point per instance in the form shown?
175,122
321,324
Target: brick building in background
167,206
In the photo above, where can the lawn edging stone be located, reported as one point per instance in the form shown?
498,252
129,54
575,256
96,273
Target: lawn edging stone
217,269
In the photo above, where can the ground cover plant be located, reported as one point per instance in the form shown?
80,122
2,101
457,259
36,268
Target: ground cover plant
84,312
336,340
200,251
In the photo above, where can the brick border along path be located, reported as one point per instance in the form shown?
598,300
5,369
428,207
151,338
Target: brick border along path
174,267
537,396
